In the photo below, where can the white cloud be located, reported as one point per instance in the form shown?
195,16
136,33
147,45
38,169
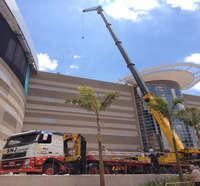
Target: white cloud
46,63
136,9
129,9
190,5
74,66
196,87
194,58
76,56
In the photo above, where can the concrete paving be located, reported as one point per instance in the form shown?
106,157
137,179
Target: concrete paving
76,180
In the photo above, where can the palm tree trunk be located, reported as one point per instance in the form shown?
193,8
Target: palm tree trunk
180,171
197,133
101,165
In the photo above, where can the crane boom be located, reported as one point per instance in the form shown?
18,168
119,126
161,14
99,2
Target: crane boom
118,43
165,126
162,121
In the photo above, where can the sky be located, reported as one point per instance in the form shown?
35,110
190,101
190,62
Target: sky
153,32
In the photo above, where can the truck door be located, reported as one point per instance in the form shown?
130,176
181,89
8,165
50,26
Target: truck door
44,144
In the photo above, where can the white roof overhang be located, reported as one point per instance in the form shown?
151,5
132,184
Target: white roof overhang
185,74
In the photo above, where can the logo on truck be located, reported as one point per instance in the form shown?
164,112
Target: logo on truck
12,150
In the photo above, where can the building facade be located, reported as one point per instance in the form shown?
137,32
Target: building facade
150,131
46,109
16,63
192,101
166,81
171,90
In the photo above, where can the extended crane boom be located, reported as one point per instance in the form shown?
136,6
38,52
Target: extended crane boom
162,121
118,43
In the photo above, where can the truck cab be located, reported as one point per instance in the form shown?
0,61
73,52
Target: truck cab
40,152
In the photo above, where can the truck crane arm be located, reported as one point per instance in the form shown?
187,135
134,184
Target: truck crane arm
165,127
118,43
162,121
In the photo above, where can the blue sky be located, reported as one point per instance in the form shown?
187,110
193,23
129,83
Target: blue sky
154,32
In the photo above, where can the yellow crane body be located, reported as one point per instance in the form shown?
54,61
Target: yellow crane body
165,126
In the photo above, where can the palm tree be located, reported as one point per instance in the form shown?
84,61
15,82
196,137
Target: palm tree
191,116
159,104
88,99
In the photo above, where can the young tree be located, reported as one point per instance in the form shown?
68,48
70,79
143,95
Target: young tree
191,116
167,110
88,99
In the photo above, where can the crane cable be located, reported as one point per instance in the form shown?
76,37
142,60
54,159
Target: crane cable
82,27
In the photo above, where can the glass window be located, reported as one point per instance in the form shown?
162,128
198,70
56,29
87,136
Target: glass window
10,50
45,138
26,84
19,60
21,140
69,148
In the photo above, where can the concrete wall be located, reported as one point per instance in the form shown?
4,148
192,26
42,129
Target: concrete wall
84,180
191,100
12,103
46,109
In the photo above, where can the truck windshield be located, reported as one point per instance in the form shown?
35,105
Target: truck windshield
21,140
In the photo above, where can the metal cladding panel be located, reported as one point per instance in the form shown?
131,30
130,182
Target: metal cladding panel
46,110
20,21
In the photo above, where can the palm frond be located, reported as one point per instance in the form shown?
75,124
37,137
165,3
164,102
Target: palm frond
108,99
88,99
159,104
190,116
177,101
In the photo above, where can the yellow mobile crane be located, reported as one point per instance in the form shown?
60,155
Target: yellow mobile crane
163,122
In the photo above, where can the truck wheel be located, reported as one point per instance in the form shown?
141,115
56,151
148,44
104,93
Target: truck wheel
50,169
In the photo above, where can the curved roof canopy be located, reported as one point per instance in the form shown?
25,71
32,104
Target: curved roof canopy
185,74
10,11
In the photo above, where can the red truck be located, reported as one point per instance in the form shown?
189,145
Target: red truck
45,152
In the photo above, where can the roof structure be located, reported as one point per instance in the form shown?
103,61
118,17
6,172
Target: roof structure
185,74
10,11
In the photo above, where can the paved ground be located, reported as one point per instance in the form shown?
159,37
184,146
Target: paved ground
78,180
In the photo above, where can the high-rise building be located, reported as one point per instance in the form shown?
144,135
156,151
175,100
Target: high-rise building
166,81
171,90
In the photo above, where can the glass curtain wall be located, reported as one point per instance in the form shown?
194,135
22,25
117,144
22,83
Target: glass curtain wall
168,90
